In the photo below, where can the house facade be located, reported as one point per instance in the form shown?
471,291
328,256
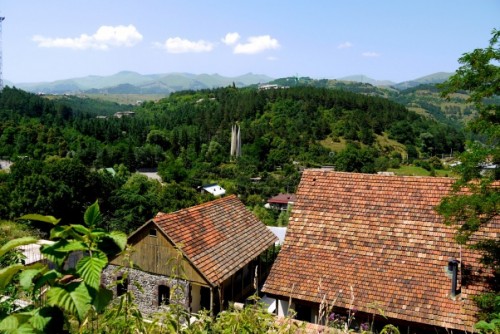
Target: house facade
281,201
200,257
374,244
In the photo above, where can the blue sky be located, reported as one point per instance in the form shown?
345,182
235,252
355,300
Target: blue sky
394,40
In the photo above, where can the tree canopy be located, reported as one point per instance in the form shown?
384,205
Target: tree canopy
476,198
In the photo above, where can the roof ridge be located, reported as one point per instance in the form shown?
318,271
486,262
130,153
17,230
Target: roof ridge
325,171
199,206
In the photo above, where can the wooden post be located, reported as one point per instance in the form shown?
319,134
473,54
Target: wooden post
211,301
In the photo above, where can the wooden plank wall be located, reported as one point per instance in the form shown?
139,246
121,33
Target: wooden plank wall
155,254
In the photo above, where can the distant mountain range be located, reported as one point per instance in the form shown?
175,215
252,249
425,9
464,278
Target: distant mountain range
428,79
127,82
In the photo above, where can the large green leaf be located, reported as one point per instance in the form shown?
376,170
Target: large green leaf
112,243
40,321
92,216
68,246
66,232
119,238
27,275
54,256
60,250
47,278
90,268
46,219
73,298
16,324
10,245
80,229
7,273
102,299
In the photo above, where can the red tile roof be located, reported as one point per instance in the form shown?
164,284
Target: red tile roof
218,237
381,236
283,199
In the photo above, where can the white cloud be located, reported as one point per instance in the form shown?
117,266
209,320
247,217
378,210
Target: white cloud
231,38
370,54
345,45
179,45
104,38
257,44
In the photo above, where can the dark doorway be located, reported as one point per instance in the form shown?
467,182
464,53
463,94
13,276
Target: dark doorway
303,312
205,298
163,295
122,286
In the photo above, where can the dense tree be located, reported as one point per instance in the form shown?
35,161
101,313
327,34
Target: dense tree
356,159
134,203
476,198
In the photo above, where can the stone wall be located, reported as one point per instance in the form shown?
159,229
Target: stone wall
147,300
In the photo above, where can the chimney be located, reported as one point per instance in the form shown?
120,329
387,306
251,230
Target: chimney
453,270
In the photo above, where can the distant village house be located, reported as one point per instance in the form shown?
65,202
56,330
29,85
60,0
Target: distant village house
121,114
281,201
213,189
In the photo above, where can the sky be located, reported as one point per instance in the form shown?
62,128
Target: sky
397,40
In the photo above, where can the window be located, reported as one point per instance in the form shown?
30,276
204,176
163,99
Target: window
205,298
152,232
303,312
247,277
163,295
122,286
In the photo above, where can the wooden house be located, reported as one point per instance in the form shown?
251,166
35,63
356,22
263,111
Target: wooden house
368,244
201,257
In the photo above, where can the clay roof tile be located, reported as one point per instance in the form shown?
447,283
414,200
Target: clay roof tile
381,236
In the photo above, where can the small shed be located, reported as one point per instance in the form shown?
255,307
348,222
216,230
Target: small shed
214,189
32,253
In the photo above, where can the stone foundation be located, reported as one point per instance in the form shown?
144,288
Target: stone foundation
147,300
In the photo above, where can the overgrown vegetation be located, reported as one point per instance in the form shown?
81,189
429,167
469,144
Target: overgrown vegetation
74,292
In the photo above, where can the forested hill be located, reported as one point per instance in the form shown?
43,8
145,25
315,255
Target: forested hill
58,147
300,119
423,98
278,126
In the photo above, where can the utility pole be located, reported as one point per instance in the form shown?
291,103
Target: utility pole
1,49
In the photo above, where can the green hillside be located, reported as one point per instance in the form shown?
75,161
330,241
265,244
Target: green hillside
426,80
424,99
60,146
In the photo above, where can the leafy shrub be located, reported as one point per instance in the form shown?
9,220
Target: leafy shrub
423,163
74,293
435,163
